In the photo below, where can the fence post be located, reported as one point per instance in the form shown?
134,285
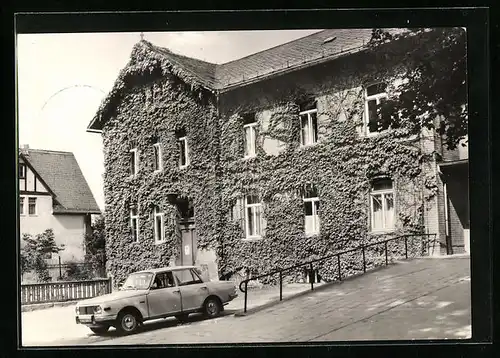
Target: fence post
386,261
60,268
281,285
311,276
406,247
364,261
245,307
338,263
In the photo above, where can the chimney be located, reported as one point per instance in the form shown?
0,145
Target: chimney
24,149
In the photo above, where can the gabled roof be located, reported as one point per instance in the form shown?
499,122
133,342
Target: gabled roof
307,51
61,173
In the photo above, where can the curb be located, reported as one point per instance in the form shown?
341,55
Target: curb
303,293
41,306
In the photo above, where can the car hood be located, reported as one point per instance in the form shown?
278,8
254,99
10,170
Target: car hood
112,297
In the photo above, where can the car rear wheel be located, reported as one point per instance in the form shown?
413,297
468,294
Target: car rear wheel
99,330
212,307
127,322
182,317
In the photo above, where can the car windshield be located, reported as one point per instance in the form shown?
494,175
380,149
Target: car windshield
138,281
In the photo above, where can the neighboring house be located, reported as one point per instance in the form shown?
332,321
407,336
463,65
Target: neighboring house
55,195
268,160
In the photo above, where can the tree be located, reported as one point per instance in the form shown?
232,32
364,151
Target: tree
34,252
433,93
95,246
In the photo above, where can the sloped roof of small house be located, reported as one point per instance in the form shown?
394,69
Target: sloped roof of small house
318,47
61,173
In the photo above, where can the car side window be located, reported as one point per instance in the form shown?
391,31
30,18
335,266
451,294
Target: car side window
187,277
163,280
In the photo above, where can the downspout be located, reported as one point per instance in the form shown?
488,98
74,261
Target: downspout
449,248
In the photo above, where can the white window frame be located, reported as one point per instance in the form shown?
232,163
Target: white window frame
253,139
157,214
36,206
135,152
159,164
21,165
311,133
377,97
382,193
259,207
22,209
186,150
313,200
136,218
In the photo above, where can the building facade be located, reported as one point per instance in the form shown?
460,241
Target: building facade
269,160
54,195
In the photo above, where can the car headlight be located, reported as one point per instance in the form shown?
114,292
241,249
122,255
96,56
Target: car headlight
97,309
77,309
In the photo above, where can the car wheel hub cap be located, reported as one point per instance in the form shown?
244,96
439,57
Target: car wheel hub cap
212,307
128,322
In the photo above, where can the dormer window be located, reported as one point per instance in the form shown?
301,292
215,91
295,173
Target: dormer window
134,161
374,95
308,124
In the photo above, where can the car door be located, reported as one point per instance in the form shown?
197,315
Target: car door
193,290
164,296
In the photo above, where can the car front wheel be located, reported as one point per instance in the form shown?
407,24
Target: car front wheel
99,330
212,307
127,322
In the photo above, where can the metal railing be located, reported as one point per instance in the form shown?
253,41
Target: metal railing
425,239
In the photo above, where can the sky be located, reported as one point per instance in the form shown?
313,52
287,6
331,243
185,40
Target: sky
62,79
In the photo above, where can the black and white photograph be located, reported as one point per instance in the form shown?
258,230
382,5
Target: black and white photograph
250,186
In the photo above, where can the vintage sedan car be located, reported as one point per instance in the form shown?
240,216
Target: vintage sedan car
156,293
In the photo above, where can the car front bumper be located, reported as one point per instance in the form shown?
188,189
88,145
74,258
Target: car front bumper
94,320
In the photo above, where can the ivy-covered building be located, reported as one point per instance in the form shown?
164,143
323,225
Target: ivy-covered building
268,160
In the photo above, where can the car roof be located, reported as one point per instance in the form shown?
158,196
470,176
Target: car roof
166,269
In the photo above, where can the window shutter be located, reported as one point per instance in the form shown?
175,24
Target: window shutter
241,206
263,221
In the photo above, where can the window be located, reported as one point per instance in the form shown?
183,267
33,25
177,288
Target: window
184,153
163,280
32,206
308,127
382,205
134,223
158,166
253,216
311,210
159,226
374,95
134,161
187,277
21,205
22,171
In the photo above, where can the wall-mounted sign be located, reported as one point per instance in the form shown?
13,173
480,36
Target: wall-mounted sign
186,250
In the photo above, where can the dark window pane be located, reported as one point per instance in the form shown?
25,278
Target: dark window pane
376,89
159,235
248,118
314,120
182,147
22,171
372,110
157,157
252,199
308,208
310,191
382,184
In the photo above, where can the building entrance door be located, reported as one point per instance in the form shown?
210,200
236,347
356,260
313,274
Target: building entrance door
188,243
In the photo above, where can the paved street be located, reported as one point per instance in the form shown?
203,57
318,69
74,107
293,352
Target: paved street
419,299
